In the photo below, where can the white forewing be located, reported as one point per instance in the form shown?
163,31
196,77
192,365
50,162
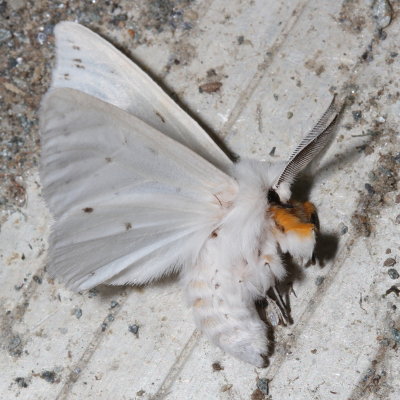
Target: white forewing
130,203
88,63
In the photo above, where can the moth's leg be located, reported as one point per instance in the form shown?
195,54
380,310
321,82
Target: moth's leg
276,313
223,302
270,257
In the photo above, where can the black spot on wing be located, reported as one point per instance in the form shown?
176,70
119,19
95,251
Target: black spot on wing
128,226
160,116
108,159
75,47
78,60
88,210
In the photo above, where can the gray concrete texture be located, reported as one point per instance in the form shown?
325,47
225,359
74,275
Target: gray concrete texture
257,74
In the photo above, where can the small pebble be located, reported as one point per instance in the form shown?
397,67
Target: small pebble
134,329
262,384
110,317
21,382
389,262
210,87
393,273
114,304
382,13
319,280
78,312
41,38
49,376
217,366
397,220
343,229
396,335
357,115
369,189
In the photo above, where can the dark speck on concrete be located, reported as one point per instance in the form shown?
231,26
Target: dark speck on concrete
393,273
216,366
357,115
389,262
343,229
263,385
369,189
134,329
49,376
319,280
21,382
110,317
396,335
114,304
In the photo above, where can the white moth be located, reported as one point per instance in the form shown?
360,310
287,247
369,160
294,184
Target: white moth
138,190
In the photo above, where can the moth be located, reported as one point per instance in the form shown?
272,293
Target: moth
138,190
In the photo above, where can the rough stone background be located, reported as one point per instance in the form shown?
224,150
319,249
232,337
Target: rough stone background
257,74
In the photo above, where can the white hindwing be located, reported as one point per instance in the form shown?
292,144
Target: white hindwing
88,63
130,203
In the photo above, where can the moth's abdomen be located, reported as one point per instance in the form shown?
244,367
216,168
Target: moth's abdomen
224,309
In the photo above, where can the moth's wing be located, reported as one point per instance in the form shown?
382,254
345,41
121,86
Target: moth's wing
130,204
88,63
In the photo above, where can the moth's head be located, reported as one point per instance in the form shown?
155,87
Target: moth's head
296,227
297,223
295,216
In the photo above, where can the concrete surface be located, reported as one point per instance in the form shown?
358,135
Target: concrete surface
278,63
